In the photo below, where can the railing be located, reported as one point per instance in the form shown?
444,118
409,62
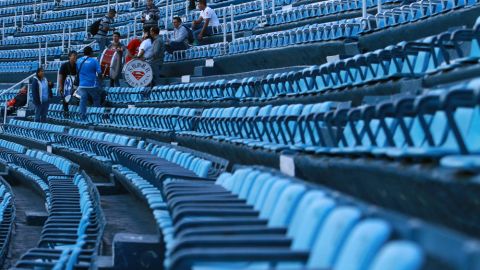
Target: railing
27,79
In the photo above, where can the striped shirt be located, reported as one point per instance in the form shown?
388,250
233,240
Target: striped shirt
104,24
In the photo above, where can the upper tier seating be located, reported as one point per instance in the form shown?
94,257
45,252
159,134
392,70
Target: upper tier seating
426,57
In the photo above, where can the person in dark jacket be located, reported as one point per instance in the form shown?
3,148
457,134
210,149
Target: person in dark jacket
41,94
150,15
156,61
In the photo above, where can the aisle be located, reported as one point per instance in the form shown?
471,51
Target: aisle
125,214
24,236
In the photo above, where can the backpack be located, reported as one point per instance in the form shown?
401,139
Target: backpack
190,34
94,27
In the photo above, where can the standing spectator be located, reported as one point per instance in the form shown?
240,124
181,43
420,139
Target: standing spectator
103,29
179,40
90,76
203,26
158,54
120,48
150,15
145,51
41,93
66,78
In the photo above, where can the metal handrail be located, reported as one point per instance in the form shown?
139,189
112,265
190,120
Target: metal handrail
11,88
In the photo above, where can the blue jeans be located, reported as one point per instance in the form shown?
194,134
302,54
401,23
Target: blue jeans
102,42
84,92
198,28
41,111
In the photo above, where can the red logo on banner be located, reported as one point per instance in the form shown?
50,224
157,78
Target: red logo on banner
138,74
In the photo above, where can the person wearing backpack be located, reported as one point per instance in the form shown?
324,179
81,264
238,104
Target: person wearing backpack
182,36
99,29
41,94
89,76
156,61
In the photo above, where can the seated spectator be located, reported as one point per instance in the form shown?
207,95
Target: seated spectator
18,101
203,26
179,39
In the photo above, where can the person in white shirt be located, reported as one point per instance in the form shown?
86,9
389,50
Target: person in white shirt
145,51
203,26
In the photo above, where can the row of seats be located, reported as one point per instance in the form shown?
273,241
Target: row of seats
242,8
73,12
65,165
435,54
75,3
35,39
438,125
27,8
72,234
152,119
30,53
125,94
414,12
182,222
10,67
94,114
28,176
7,218
260,219
305,34
323,32
79,141
294,14
407,127
74,24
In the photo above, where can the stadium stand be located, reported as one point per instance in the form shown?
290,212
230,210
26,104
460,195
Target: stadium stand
300,134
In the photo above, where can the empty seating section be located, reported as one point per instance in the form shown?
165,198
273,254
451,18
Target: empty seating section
95,115
318,32
72,234
408,60
422,127
361,129
260,219
38,131
125,94
7,217
246,19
